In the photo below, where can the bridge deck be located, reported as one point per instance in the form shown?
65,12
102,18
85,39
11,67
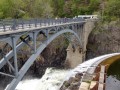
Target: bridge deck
18,26
35,28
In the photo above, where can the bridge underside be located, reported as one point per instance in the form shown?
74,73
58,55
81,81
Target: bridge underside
18,40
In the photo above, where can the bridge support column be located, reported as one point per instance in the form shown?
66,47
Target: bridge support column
47,34
15,55
78,56
34,41
87,28
74,56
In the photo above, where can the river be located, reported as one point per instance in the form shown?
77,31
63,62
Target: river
53,78
113,79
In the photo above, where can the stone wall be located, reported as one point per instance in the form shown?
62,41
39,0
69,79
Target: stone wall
77,56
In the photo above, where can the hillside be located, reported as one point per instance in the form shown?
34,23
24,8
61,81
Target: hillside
107,9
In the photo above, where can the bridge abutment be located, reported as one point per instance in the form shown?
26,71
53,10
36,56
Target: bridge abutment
76,55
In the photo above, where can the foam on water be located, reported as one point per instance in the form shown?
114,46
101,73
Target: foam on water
27,84
53,78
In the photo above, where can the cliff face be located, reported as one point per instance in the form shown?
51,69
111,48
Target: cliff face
53,55
104,39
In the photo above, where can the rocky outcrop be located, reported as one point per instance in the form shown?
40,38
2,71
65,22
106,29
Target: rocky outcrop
104,39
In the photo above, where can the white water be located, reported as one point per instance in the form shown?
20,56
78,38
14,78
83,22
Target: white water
52,79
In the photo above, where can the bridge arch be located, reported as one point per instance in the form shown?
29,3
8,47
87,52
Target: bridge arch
33,57
76,27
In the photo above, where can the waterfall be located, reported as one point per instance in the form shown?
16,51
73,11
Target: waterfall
54,78
51,80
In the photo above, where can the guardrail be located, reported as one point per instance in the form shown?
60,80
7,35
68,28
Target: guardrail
15,24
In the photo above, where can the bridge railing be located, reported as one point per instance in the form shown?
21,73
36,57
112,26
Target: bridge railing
15,24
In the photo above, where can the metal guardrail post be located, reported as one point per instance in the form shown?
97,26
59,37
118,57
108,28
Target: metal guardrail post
4,26
34,42
29,23
48,21
22,24
35,22
14,26
40,22
45,22
51,21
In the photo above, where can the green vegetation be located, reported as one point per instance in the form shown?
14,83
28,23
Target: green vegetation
46,8
112,10
108,9
24,8
71,8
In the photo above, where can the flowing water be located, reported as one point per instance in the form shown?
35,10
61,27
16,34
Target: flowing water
113,79
51,80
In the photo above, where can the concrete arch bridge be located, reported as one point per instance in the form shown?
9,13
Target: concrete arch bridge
18,33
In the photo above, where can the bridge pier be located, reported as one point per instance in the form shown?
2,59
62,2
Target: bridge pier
74,56
15,55
77,56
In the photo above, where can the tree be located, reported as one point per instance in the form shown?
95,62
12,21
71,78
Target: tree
11,8
112,10
25,8
94,5
57,6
